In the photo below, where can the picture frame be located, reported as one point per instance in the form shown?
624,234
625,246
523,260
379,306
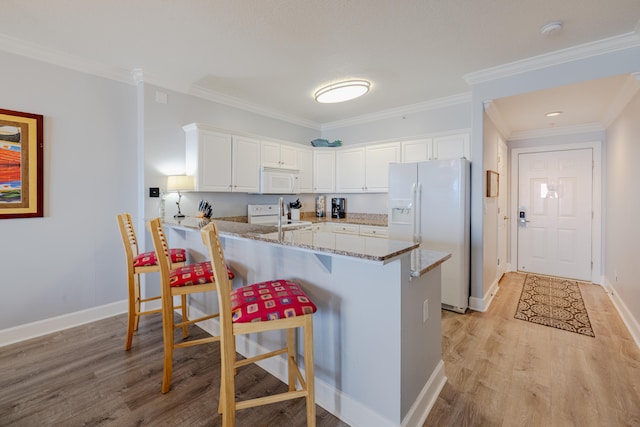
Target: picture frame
21,164
493,183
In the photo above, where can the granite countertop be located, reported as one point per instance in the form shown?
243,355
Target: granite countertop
361,247
354,218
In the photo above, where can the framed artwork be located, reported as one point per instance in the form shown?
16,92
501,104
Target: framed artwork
493,181
21,161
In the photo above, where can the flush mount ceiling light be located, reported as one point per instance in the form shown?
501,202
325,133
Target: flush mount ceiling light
551,28
553,113
343,91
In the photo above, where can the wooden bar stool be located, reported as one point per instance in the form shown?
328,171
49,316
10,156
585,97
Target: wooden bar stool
182,281
266,306
137,264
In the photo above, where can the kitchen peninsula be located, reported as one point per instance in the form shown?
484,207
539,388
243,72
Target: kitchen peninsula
377,334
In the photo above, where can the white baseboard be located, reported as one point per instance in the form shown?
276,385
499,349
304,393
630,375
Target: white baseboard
331,399
627,317
420,409
59,323
482,304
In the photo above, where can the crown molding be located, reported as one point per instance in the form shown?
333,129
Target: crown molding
56,57
556,131
624,96
496,117
241,104
587,50
433,104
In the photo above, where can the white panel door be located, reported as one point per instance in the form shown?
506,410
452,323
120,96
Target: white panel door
555,194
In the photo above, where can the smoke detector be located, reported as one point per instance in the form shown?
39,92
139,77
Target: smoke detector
551,28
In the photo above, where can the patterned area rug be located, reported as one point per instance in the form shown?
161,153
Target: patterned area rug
554,302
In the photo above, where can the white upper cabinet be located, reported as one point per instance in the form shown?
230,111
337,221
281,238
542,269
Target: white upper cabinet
350,170
246,164
208,158
377,161
417,150
276,155
437,148
324,171
365,169
221,162
451,147
305,165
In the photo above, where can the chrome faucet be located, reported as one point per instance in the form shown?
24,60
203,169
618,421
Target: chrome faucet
280,213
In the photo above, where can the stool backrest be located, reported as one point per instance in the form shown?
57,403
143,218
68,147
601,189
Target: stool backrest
211,240
129,239
161,247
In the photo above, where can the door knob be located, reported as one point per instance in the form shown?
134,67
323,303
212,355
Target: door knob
506,217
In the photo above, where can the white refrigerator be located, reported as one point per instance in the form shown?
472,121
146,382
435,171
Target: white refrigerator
429,204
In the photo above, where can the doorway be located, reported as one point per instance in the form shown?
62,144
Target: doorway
555,211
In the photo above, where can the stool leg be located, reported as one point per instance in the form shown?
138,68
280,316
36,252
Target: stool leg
185,328
309,371
132,318
291,361
167,334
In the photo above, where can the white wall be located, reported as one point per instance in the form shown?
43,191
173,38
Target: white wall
404,125
622,204
72,258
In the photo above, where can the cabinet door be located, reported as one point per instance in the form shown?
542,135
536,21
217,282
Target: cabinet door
350,167
270,153
378,158
417,150
288,157
451,147
305,165
324,171
246,164
208,159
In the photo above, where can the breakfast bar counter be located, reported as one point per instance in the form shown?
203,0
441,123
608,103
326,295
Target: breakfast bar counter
377,333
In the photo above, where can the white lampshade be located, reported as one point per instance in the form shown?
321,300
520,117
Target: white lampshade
179,183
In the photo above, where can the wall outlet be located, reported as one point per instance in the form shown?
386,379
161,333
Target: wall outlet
425,310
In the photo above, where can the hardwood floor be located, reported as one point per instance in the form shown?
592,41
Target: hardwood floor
507,372
501,372
83,376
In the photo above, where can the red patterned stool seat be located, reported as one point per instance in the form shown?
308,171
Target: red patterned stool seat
270,300
149,258
194,274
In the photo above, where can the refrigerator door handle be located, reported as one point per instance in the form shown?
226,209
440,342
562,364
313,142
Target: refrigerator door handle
418,214
414,187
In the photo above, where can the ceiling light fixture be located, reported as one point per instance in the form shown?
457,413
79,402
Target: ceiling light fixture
553,113
551,28
343,91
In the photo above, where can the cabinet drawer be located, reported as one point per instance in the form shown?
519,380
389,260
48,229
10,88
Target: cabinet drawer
343,228
374,231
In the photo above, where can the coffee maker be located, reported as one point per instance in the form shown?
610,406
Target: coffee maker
338,207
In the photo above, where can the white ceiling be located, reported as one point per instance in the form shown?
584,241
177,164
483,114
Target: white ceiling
271,55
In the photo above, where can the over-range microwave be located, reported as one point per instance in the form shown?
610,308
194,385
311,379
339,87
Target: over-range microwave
279,181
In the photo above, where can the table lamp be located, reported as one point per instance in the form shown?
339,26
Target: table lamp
179,183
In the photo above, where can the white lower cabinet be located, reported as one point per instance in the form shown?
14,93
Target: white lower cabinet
374,231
